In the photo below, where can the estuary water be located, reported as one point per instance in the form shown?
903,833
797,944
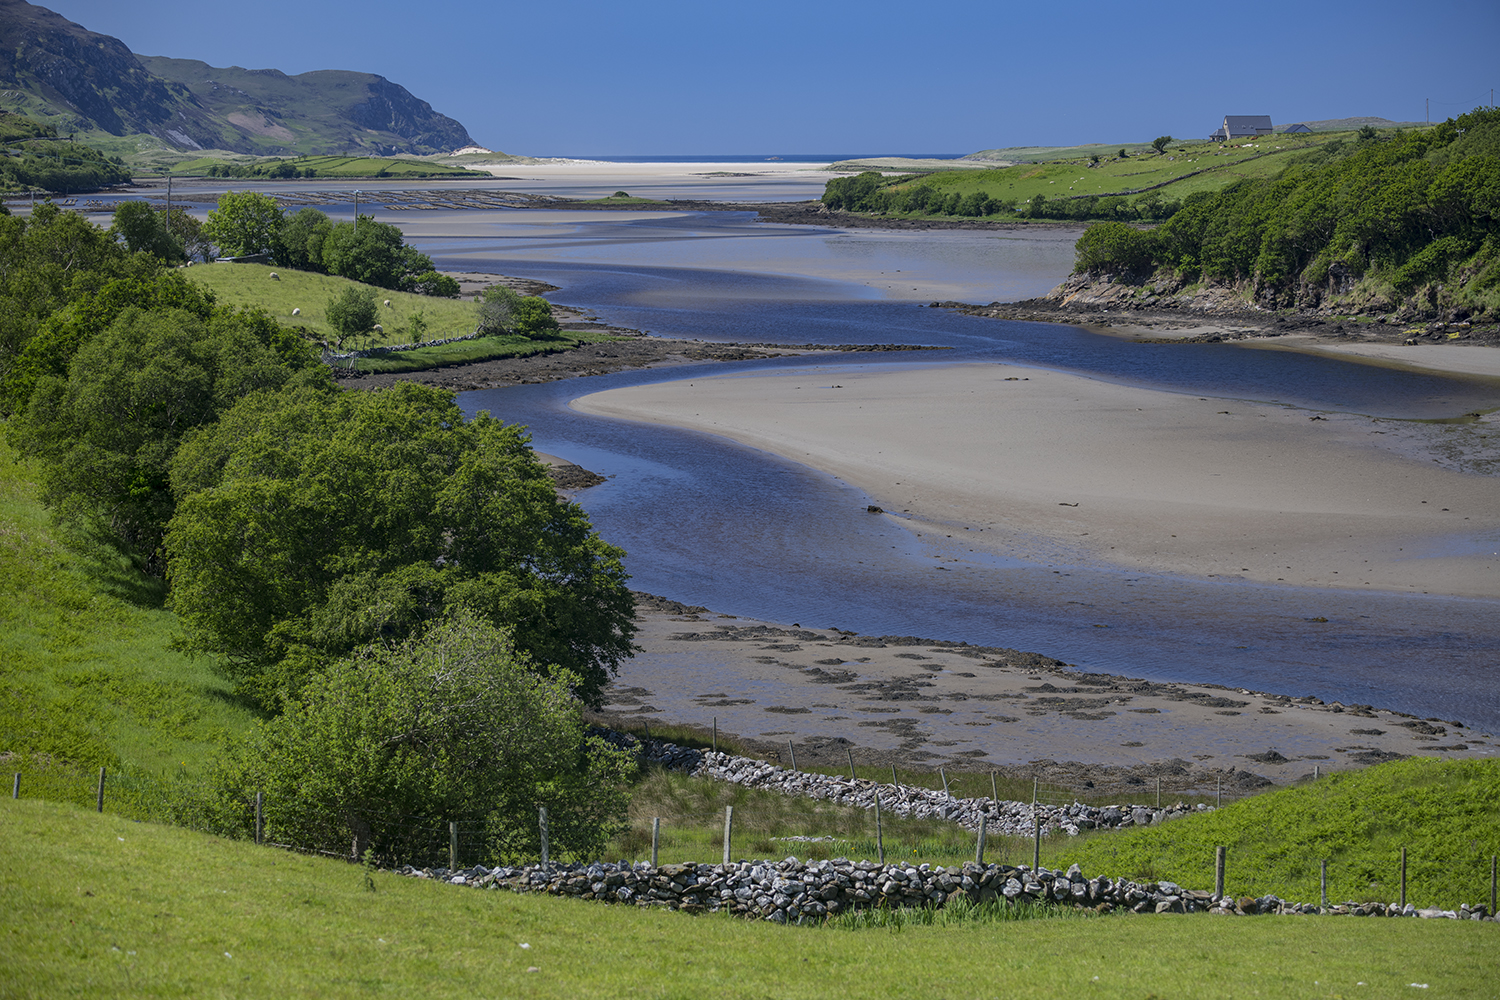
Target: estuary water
708,521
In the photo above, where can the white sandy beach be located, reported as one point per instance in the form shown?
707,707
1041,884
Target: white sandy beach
1064,470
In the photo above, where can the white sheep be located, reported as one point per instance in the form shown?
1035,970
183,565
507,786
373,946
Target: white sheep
387,303
275,276
296,312
378,328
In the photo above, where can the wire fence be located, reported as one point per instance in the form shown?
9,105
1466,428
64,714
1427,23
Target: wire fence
392,838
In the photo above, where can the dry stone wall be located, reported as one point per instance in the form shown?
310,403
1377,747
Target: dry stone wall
1002,817
793,891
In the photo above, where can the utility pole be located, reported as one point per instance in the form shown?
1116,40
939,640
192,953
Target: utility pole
356,211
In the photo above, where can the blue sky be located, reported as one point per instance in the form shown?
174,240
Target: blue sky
578,77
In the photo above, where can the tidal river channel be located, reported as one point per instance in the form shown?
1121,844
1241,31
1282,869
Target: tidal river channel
710,522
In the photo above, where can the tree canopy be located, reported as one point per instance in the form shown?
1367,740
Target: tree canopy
245,223
309,522
384,746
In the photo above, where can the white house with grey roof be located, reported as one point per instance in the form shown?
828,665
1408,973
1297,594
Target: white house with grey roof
1243,127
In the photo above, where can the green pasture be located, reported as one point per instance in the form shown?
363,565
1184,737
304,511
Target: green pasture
252,285
97,906
1185,168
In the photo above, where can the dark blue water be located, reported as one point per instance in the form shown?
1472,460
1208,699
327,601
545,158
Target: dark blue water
707,521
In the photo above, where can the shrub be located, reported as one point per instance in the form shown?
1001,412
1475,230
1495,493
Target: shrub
1114,248
385,746
352,312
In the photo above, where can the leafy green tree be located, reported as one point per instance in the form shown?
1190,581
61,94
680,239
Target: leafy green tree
352,312
436,284
497,311
534,319
106,434
188,231
143,230
1113,248
301,243
244,223
385,745
310,522
1160,144
373,253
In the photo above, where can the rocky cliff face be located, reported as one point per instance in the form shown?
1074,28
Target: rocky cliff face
50,63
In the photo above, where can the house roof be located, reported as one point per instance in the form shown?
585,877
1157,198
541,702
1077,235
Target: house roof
1247,123
1299,127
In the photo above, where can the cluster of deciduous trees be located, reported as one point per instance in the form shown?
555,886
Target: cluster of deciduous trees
872,192
320,543
375,253
1411,210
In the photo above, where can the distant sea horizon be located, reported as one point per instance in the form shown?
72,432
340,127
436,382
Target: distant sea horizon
751,157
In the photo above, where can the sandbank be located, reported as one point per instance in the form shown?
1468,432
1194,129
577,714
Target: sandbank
1059,469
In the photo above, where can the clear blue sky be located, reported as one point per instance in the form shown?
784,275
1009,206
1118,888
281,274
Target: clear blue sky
571,77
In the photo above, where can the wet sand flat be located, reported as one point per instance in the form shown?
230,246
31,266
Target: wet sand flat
1060,469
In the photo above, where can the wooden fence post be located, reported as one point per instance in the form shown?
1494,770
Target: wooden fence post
944,775
716,734
1218,793
1403,878
101,790
1219,871
15,787
1036,853
1158,791
452,846
850,754
879,838
994,788
728,823
793,751
979,845
894,783
541,814
1323,880
1492,885
260,817
655,838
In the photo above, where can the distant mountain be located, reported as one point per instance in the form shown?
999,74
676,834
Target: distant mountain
80,81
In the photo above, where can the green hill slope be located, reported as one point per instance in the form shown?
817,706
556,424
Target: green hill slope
87,675
1443,812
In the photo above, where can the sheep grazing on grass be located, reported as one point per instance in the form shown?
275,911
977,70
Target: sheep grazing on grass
387,303
275,276
378,328
296,312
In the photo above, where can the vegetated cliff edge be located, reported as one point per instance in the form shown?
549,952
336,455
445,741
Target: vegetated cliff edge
81,81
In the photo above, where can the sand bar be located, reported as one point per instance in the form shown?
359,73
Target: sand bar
1061,469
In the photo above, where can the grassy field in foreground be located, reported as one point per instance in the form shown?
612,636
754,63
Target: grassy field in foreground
98,906
252,285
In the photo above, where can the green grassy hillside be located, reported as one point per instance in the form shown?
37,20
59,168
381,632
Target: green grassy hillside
99,906
87,675
1445,813
252,285
1183,169
395,167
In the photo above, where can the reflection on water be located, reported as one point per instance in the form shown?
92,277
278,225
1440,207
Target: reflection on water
711,522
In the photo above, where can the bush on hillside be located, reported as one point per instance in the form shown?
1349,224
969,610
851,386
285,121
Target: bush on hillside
386,746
